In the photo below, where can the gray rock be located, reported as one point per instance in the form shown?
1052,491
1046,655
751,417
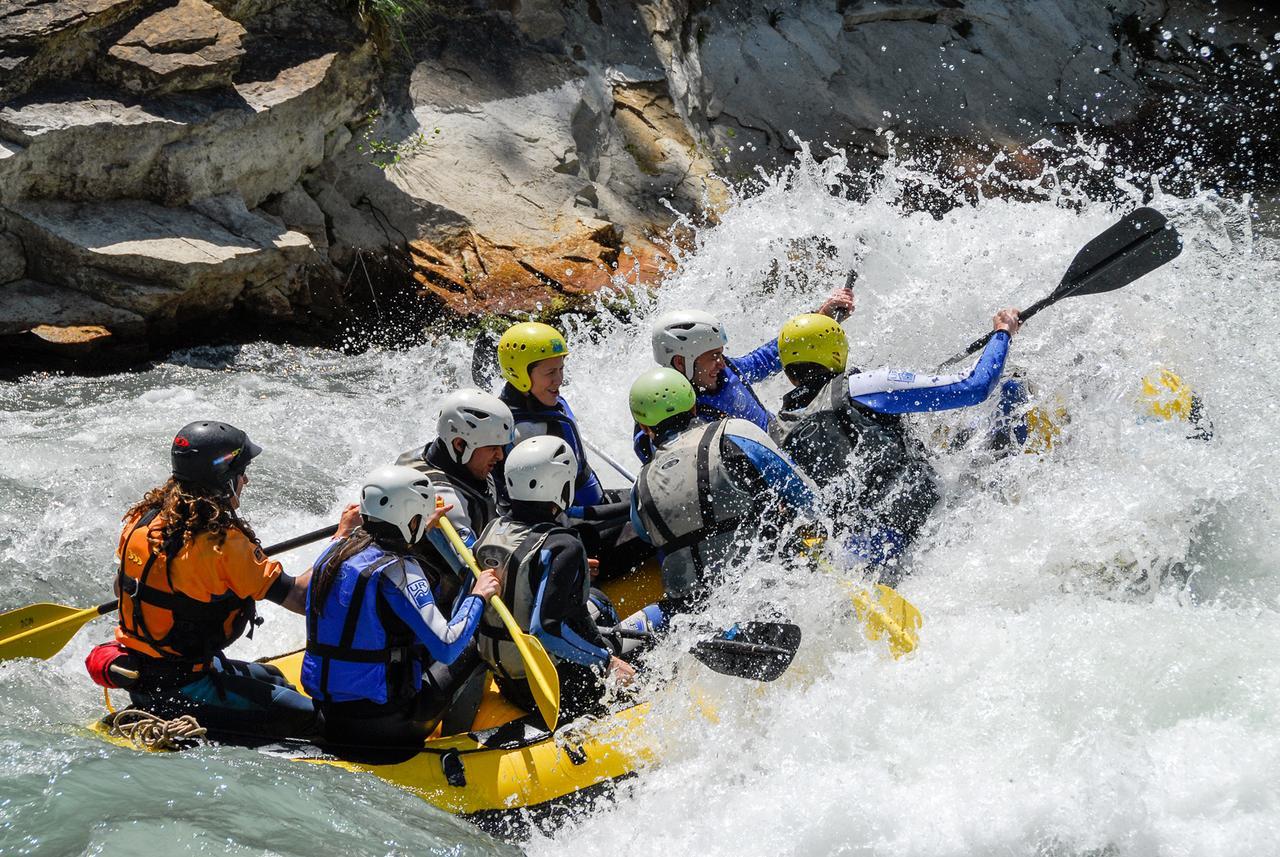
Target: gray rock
13,260
175,151
165,264
189,46
42,39
298,211
28,303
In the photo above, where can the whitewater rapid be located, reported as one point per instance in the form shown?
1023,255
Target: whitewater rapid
1098,669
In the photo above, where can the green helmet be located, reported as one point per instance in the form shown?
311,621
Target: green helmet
659,394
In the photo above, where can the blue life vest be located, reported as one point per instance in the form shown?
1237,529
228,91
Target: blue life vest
355,650
561,423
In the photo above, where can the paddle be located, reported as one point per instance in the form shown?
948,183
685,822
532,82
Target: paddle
756,650
41,630
1142,241
884,612
541,674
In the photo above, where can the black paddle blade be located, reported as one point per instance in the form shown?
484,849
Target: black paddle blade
1142,241
756,650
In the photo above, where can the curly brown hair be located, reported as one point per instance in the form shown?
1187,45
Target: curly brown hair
185,511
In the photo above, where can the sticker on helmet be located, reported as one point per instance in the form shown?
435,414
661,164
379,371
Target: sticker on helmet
225,458
902,376
181,441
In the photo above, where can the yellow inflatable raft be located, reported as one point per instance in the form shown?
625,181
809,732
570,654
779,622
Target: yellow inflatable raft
508,771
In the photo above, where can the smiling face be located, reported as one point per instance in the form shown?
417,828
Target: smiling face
546,376
707,369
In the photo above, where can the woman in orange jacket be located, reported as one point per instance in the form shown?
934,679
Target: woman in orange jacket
191,571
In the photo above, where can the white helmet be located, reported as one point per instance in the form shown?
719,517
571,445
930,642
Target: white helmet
397,495
689,333
479,418
542,469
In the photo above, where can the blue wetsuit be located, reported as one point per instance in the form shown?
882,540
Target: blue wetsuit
534,419
734,396
857,417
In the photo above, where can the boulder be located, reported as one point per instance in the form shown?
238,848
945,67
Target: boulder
190,46
255,141
299,212
54,38
27,304
473,276
167,265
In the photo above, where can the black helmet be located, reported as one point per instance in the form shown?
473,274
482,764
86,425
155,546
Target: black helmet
211,454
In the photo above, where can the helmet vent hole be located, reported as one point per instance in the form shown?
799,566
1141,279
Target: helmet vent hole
382,501
533,483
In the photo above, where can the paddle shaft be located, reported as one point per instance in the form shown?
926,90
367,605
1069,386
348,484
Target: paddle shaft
545,693
733,646
626,474
45,639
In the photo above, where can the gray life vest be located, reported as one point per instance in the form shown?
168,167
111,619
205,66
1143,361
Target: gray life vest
882,474
481,508
691,508
509,547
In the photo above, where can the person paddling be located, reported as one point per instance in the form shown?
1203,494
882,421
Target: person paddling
845,427
692,342
472,434
190,573
531,356
380,638
546,583
707,485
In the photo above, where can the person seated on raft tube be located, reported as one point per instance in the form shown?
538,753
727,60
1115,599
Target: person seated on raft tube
473,433
692,342
531,358
379,644
705,482
546,584
838,422
191,570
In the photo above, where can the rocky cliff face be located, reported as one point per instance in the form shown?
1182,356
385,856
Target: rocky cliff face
167,166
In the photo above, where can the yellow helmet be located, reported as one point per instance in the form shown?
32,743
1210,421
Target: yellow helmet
1166,396
525,344
813,338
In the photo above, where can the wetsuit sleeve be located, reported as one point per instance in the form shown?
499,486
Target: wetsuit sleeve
898,391
759,364
777,472
242,565
642,445
560,619
635,517
408,593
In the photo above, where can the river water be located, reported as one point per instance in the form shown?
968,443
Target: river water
1097,673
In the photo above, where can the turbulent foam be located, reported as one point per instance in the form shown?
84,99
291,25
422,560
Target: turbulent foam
1096,673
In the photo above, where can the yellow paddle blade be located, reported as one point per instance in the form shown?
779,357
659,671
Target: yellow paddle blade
888,615
883,613
540,672
41,630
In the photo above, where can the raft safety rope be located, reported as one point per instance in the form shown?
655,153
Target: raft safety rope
150,732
